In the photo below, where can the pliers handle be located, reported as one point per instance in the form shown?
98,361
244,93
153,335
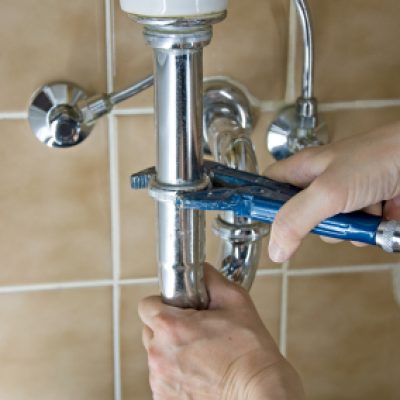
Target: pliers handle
260,198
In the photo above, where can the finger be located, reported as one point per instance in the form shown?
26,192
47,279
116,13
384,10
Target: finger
374,209
359,244
219,288
391,209
300,169
149,308
147,337
301,214
330,240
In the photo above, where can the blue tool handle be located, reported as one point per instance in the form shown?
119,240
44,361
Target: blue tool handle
262,205
357,226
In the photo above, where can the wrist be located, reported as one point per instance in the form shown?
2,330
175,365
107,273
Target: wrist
262,376
278,381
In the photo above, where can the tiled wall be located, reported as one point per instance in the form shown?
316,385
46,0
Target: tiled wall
77,246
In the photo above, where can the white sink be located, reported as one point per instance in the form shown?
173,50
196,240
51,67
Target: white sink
173,8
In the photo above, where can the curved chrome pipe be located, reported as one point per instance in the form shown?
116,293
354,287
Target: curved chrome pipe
297,126
228,122
303,11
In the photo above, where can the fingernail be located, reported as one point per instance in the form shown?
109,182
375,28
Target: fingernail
276,253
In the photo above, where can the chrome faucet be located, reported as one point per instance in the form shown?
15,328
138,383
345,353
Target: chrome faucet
297,126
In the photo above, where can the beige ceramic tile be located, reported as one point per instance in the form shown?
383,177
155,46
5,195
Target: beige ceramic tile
54,208
343,335
314,252
138,227
250,46
43,41
133,57
266,294
134,358
342,124
56,345
356,56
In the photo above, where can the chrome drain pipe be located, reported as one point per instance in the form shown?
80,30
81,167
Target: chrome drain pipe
178,78
229,120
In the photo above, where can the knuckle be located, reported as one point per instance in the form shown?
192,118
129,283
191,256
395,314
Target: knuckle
284,230
156,361
170,326
331,195
237,294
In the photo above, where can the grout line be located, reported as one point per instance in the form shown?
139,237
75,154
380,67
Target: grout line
138,281
265,106
269,272
16,115
109,28
114,202
117,341
44,287
54,286
116,256
290,94
359,104
114,197
271,106
284,310
351,269
133,111
396,285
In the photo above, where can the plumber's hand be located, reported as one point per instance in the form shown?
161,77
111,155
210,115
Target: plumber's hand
349,175
224,353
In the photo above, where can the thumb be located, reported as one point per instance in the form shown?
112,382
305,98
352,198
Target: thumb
391,209
220,289
300,169
300,215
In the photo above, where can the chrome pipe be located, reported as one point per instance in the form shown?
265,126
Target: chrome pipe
297,126
229,120
241,238
304,14
178,105
130,91
96,107
178,78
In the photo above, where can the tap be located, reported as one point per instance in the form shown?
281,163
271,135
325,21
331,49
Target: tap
297,126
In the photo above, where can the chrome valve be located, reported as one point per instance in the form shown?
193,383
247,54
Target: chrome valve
297,126
62,115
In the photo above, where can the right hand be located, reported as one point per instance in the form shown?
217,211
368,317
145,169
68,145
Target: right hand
342,177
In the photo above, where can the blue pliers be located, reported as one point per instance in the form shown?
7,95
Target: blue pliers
260,198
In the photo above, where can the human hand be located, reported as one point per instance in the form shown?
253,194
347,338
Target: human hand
345,176
223,353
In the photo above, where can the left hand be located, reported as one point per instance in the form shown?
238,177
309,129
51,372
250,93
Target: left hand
221,353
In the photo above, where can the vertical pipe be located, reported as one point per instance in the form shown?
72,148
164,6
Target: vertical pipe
304,14
178,63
